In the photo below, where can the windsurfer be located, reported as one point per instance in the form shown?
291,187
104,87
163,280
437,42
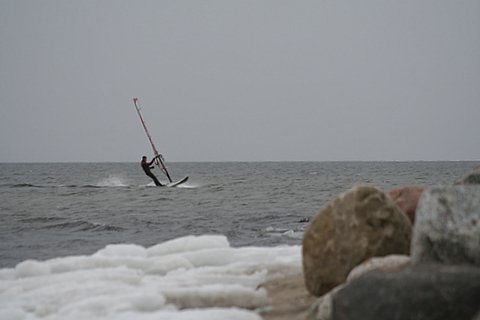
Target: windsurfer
146,166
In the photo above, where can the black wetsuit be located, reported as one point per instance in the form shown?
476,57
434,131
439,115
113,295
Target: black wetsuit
146,167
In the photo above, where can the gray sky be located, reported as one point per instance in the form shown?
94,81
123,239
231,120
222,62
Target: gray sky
244,80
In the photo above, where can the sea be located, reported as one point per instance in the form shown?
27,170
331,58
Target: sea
233,218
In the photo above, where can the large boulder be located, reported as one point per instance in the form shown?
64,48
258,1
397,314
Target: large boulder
321,309
426,292
407,198
472,177
357,225
447,229
390,263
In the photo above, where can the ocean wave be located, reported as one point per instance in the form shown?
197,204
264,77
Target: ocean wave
42,219
106,183
23,185
74,186
84,226
29,185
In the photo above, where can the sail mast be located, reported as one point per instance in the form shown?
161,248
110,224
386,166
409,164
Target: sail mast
160,162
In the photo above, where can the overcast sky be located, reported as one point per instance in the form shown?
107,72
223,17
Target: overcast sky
244,80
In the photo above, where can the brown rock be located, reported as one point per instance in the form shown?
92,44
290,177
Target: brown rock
407,199
357,225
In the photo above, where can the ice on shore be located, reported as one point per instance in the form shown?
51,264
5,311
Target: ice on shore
186,278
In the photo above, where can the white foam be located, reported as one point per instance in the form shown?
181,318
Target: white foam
112,181
293,234
189,185
186,278
282,232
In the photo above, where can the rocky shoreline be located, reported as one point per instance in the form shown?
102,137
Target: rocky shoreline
411,253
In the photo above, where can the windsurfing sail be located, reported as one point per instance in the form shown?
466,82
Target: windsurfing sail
159,161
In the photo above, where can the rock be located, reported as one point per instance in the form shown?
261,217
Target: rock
322,308
393,262
471,178
290,298
426,292
407,199
359,224
448,226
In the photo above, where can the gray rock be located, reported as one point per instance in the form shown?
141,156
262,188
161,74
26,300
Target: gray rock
477,317
424,292
471,178
393,262
447,228
321,309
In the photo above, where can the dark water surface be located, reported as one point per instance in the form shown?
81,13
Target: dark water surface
59,209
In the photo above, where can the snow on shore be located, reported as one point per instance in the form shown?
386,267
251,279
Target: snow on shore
185,278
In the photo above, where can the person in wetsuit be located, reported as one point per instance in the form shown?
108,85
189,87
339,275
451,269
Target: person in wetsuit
146,166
